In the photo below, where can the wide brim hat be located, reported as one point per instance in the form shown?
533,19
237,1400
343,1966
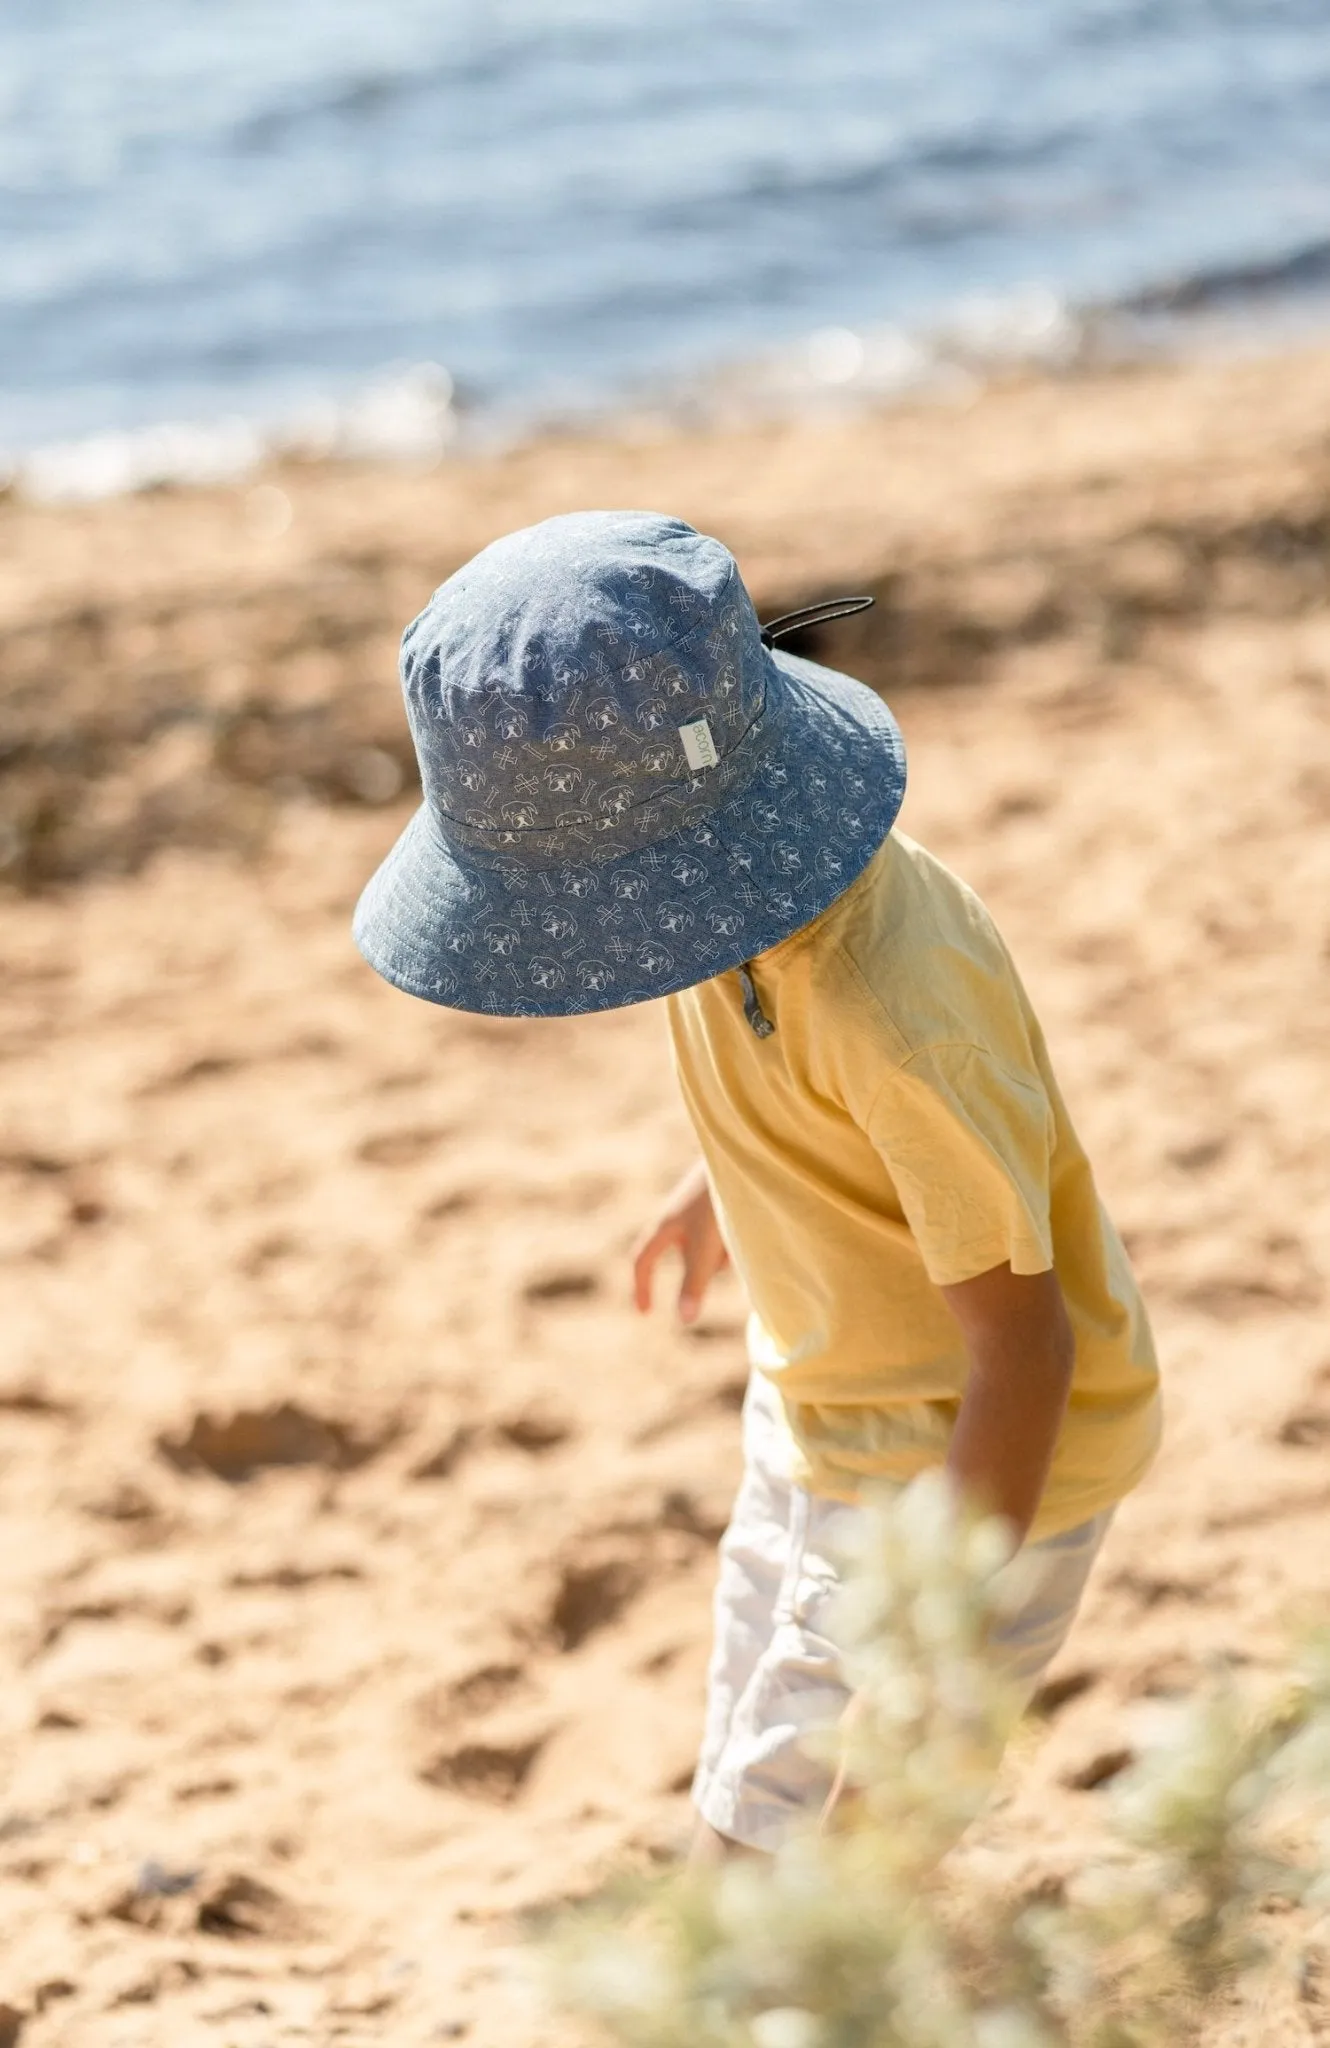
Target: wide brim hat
642,823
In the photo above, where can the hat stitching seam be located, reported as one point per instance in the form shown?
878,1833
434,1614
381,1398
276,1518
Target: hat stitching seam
531,831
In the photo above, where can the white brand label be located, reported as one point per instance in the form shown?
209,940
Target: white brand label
698,745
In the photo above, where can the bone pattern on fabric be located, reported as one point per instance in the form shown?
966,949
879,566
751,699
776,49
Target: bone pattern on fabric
566,856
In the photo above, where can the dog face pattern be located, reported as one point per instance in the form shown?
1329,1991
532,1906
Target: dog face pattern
583,936
542,726
593,867
577,771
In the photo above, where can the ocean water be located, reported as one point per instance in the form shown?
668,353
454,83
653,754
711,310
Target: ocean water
331,217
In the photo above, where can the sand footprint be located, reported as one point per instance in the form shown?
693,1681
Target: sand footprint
592,1595
491,1771
250,1440
485,1762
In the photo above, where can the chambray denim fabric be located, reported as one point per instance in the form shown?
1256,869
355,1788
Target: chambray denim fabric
566,856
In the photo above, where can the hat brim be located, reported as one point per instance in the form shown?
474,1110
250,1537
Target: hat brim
509,939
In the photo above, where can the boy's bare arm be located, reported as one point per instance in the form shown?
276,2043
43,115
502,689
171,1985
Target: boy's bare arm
687,1225
1022,1351
1016,1332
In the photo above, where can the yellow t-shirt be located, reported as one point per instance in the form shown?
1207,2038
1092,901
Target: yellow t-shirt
902,1130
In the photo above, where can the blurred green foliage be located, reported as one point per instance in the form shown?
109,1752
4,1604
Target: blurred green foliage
857,1935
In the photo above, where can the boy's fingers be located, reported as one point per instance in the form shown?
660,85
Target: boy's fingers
645,1260
703,1256
699,1270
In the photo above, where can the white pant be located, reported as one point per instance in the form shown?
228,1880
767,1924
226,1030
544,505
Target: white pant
775,1669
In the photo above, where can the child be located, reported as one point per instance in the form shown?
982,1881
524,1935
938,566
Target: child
629,793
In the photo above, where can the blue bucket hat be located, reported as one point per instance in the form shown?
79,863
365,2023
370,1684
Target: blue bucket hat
626,791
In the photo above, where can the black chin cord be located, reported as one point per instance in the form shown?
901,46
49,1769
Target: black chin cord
753,1010
813,615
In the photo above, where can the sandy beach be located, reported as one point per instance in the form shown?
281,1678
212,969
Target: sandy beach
357,1537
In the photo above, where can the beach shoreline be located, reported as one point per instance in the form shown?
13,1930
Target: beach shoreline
359,1540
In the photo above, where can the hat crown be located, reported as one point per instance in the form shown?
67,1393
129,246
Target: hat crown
583,688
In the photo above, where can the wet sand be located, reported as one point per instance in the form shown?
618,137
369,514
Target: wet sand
357,1538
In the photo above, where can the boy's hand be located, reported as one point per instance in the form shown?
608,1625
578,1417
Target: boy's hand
687,1225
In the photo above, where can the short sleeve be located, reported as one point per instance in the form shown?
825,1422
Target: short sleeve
968,1144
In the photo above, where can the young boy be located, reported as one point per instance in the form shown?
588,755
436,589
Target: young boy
628,793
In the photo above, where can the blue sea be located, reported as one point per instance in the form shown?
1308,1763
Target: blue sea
258,218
